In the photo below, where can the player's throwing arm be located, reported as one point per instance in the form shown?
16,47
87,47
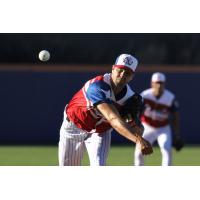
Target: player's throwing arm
124,129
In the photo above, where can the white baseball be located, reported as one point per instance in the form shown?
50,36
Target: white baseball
44,55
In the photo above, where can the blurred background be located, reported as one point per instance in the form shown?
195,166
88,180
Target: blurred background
33,94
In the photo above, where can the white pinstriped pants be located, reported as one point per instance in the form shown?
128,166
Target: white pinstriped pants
73,142
164,137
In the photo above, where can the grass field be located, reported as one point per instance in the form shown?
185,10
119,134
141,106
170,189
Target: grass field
119,156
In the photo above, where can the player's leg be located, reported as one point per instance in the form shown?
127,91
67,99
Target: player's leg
71,145
150,135
98,146
165,144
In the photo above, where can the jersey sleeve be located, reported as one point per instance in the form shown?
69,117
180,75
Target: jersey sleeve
142,94
99,92
175,106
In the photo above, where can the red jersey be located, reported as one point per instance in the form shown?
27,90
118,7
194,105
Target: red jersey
82,110
157,110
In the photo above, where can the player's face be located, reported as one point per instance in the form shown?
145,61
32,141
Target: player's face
121,76
158,88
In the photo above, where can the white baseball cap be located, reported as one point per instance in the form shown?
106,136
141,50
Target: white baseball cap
158,77
126,61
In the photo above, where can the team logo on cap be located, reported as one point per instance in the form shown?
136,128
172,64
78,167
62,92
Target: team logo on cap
128,61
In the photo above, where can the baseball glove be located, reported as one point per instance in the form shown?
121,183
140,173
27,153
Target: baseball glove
132,109
178,143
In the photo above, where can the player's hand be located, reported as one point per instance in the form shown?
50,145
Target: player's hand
178,143
145,147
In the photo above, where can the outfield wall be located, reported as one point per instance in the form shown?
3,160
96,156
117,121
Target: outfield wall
33,99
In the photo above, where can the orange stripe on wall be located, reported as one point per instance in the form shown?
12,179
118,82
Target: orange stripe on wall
94,68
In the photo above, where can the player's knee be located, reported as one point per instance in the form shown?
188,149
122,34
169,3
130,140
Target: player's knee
165,146
165,150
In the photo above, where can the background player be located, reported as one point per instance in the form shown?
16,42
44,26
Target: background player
160,110
92,113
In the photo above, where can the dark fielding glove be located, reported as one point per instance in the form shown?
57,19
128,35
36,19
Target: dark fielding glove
177,143
132,109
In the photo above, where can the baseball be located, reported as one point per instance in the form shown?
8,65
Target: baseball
44,55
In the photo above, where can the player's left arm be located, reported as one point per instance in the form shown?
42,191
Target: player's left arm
175,124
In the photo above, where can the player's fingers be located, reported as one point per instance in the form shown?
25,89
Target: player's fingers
147,150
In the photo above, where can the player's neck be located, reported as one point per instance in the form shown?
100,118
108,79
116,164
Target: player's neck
116,88
157,95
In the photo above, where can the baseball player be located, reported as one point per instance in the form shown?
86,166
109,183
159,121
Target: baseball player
92,113
160,111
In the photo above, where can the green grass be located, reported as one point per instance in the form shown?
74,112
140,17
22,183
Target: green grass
119,156
189,156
